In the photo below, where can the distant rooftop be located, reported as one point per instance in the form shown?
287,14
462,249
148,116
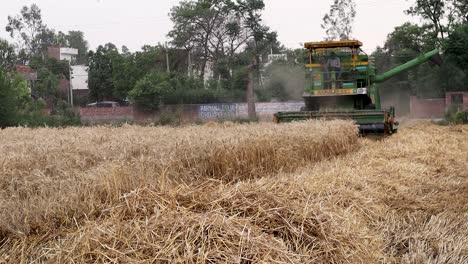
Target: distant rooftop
69,51
22,68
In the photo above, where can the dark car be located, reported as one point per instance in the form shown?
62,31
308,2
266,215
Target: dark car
104,104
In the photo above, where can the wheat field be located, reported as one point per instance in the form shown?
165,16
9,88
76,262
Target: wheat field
311,192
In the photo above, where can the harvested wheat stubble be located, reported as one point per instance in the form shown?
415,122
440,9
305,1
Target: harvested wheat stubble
400,200
54,179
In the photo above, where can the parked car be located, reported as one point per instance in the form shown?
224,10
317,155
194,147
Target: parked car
104,104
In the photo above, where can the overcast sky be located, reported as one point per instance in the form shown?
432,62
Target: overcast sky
138,22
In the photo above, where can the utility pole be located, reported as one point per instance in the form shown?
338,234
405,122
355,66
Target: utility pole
71,85
250,91
167,60
189,70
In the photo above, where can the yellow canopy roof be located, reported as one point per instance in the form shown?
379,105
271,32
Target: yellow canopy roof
333,44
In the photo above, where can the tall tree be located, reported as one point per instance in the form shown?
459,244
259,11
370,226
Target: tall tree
76,40
125,74
215,30
194,23
30,31
7,55
7,101
338,22
441,15
461,11
47,84
435,12
411,39
100,80
455,51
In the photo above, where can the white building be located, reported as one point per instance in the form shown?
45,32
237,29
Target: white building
77,87
60,53
79,77
68,54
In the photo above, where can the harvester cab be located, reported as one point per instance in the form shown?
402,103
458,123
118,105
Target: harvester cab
337,76
341,83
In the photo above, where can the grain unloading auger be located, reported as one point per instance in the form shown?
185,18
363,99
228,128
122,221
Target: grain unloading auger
341,83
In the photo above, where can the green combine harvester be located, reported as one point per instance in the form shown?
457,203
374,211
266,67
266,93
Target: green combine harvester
342,84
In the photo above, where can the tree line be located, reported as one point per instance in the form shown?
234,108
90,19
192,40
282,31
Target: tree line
210,48
211,45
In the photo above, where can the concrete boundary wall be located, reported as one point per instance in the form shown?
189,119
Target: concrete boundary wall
94,115
419,108
436,108
427,108
187,113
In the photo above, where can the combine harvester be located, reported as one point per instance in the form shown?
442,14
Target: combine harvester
342,84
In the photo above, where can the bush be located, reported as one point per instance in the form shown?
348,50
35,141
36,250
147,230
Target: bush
461,117
33,115
149,91
456,115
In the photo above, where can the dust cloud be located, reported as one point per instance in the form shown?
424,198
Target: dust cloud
287,82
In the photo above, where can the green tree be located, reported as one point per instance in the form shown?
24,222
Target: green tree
215,30
7,55
61,39
440,15
408,41
76,40
59,68
194,24
8,101
30,32
47,84
150,58
128,68
338,22
149,91
100,80
461,11
22,92
455,53
456,47
434,12
34,37
125,73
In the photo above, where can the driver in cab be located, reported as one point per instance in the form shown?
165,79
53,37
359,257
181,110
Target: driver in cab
334,66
